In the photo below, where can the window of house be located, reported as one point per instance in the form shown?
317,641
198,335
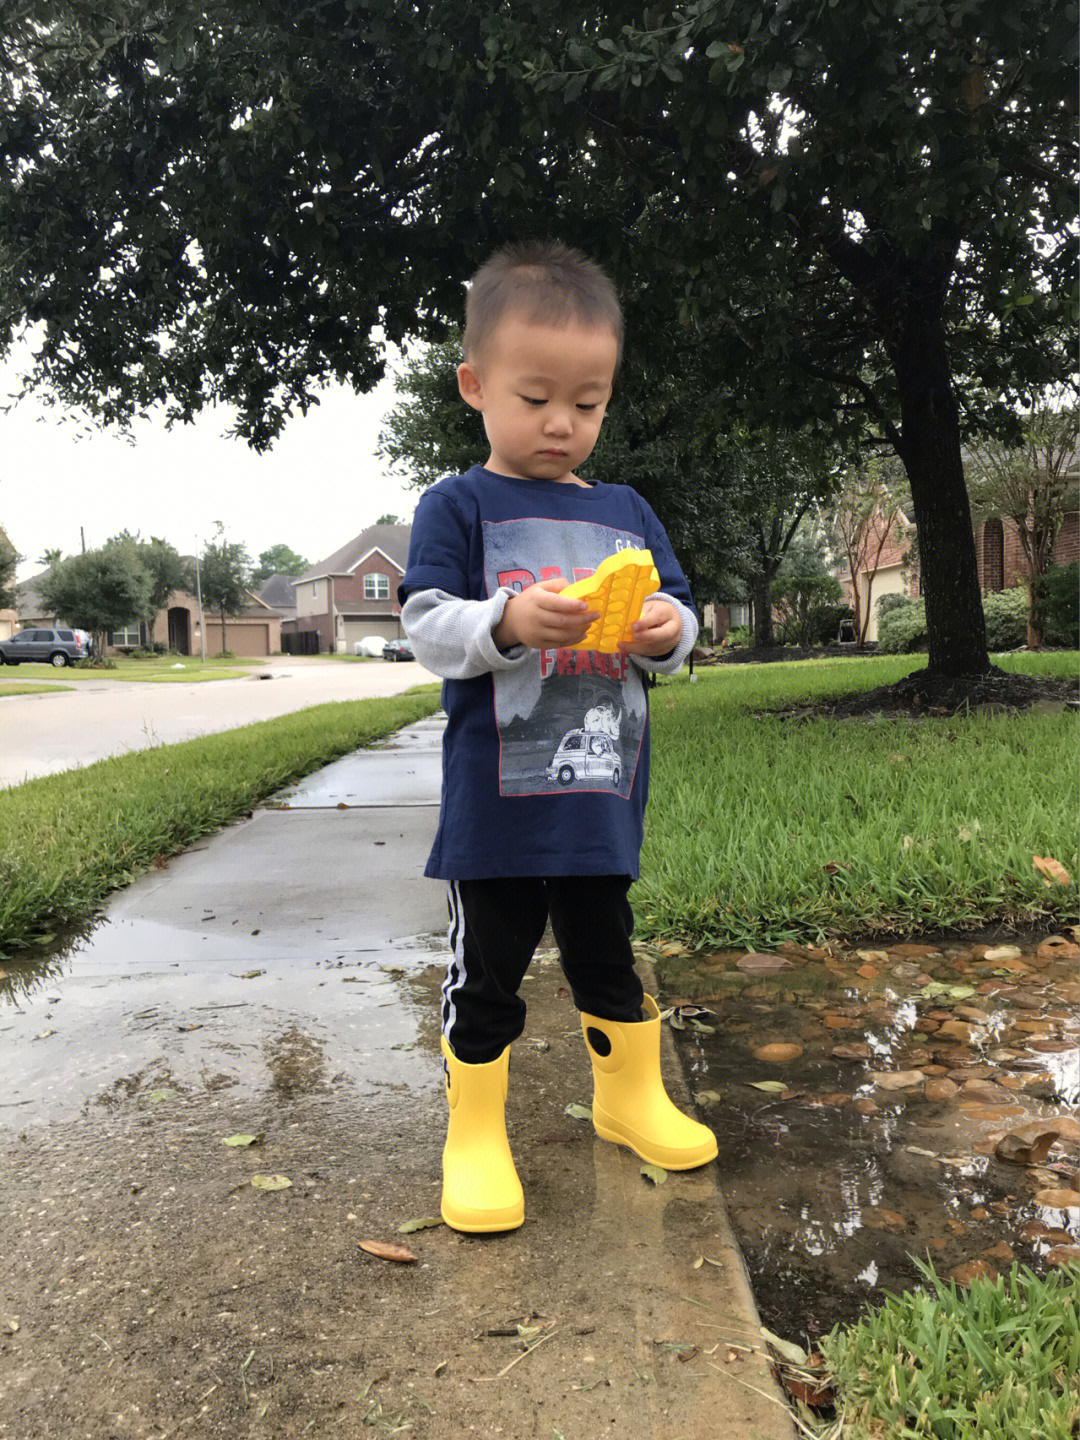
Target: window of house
128,636
376,587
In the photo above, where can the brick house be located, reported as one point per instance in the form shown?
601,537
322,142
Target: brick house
353,592
998,553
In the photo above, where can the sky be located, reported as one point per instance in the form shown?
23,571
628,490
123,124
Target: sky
319,485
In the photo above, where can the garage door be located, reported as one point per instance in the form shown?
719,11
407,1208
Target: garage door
242,637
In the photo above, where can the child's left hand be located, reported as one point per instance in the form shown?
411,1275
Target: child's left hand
657,632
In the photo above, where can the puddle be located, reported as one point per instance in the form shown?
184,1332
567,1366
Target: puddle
832,1180
135,1008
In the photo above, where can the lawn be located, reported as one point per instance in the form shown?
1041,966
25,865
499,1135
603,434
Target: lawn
761,829
16,688
162,669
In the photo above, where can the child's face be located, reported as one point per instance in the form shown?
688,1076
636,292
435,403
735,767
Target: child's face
542,391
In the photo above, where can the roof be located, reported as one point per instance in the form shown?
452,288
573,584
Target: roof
392,540
278,592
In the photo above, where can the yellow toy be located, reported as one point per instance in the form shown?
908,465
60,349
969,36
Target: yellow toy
617,588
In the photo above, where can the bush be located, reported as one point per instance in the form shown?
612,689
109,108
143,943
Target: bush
892,601
1057,601
801,599
829,621
705,636
97,662
1006,614
738,635
902,628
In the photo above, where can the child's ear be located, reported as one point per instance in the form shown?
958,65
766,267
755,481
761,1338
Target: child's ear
472,391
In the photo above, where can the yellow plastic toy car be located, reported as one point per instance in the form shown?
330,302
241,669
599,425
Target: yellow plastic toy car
618,588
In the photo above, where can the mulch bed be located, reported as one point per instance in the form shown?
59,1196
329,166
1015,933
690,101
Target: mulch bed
919,695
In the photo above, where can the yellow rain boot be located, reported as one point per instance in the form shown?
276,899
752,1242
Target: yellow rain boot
481,1190
630,1105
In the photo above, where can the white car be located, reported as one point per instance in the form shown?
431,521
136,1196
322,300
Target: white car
370,645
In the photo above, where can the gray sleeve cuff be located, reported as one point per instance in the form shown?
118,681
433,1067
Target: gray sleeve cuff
454,637
668,664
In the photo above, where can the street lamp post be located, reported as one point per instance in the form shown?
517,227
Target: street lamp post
198,596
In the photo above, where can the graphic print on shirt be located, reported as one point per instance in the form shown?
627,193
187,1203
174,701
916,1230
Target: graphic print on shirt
575,720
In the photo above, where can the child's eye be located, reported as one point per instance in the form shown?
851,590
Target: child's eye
587,408
532,400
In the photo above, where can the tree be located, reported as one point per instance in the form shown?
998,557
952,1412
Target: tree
865,211
388,520
225,570
100,591
51,558
1033,484
278,560
865,510
9,559
168,571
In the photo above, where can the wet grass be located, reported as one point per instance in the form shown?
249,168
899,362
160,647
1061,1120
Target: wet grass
761,829
997,1361
67,840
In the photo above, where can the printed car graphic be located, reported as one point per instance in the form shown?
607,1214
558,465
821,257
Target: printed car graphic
585,755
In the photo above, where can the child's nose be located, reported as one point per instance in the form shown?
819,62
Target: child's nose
559,422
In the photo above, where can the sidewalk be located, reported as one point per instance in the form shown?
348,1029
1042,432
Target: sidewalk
283,978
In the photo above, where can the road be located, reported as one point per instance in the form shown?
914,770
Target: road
44,733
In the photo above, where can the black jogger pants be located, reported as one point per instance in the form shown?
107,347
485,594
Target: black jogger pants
495,926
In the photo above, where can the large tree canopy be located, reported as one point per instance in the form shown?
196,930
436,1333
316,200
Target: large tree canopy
864,210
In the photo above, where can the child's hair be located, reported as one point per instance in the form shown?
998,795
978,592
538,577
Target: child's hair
547,282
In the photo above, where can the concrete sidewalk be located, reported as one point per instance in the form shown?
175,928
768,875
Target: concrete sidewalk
282,979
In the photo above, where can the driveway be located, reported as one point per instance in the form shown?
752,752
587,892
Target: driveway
45,733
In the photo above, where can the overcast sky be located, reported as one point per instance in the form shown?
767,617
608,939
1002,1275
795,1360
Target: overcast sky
319,485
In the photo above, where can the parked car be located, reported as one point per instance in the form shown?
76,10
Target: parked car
52,647
585,755
370,645
398,650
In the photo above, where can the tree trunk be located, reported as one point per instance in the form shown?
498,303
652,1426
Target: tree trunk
760,588
930,436
224,647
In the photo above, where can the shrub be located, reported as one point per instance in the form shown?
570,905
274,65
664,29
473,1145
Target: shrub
892,601
800,600
97,662
1057,600
1006,614
829,621
902,628
738,635
705,636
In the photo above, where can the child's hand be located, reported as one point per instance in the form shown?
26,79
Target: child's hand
539,618
657,632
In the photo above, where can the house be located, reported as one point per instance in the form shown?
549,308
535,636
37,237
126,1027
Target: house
257,631
353,592
999,555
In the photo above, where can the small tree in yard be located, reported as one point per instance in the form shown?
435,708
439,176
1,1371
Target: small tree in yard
226,569
1032,484
874,488
9,559
100,591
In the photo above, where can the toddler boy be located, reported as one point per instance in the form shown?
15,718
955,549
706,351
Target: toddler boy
546,752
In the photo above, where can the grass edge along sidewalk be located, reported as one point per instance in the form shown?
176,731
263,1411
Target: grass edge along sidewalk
67,840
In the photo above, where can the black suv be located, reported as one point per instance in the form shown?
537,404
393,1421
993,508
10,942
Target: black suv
54,647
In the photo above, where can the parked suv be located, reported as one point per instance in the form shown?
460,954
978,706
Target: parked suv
53,647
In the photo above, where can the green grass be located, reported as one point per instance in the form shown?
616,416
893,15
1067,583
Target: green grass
996,1361
161,668
930,823
67,840
14,688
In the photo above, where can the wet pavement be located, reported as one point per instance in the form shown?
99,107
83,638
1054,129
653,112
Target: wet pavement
877,1102
279,982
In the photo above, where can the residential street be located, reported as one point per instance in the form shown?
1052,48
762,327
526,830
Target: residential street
44,733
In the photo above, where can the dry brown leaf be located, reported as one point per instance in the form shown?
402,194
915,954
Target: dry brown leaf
401,1253
1047,866
1018,1150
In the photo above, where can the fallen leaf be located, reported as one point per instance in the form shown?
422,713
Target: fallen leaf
857,1050
270,1182
1048,866
787,1348
578,1112
249,974
774,1087
878,1218
427,1223
156,1096
654,1173
1019,1151
707,1097
401,1253
245,1140
755,963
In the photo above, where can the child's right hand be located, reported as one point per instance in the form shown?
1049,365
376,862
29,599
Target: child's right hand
541,619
